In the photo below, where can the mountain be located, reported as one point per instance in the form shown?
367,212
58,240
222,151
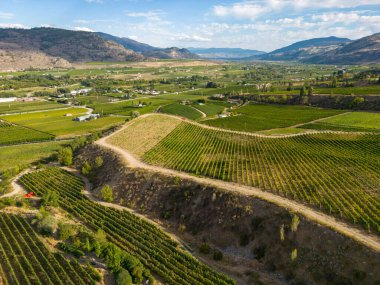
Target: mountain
306,49
150,51
362,51
72,46
225,53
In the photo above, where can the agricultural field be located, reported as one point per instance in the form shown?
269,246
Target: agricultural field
20,107
60,122
258,117
24,259
212,108
22,155
181,110
333,172
350,122
156,250
14,134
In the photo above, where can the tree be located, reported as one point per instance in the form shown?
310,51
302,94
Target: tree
123,277
293,255
66,231
86,168
205,248
333,83
290,86
295,223
98,162
302,91
65,156
107,193
218,255
135,114
211,85
357,102
310,90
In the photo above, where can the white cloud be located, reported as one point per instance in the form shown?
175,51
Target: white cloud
83,29
245,10
12,26
94,1
190,38
154,15
6,16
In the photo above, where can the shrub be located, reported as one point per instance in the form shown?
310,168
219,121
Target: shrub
293,255
218,255
65,156
86,168
107,193
98,162
205,248
123,277
295,223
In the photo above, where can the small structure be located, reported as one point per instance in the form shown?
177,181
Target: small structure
86,118
8,100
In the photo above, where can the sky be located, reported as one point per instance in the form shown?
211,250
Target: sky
252,24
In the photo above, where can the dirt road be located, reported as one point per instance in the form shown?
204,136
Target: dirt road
358,235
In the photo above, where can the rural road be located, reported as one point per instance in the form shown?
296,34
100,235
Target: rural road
358,235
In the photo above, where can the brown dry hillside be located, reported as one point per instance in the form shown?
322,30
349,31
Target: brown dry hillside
247,230
72,46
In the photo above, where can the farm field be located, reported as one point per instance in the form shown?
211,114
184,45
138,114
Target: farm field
353,121
211,108
258,117
181,110
156,250
20,107
20,155
334,172
24,259
14,134
57,123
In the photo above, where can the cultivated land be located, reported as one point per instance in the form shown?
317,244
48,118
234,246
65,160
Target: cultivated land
276,143
60,122
26,260
21,155
156,250
344,181
13,134
356,121
257,117
20,107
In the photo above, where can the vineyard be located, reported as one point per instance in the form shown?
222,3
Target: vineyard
13,134
141,239
24,259
338,173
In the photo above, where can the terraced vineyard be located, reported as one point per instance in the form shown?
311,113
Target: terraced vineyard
338,173
24,259
13,134
141,239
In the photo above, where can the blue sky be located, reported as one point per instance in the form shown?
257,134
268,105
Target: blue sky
257,24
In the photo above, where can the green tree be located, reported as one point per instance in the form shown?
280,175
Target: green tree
86,168
295,223
66,231
218,255
98,162
65,156
50,198
107,193
135,114
123,277
310,90
302,91
333,82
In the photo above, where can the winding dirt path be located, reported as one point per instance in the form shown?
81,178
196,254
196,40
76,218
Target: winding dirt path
358,235
17,188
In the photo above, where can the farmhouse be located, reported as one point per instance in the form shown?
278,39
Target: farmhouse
8,100
86,118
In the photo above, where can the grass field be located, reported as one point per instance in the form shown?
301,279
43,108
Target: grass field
13,134
19,107
20,155
57,123
334,172
255,117
145,140
181,110
353,121
155,249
